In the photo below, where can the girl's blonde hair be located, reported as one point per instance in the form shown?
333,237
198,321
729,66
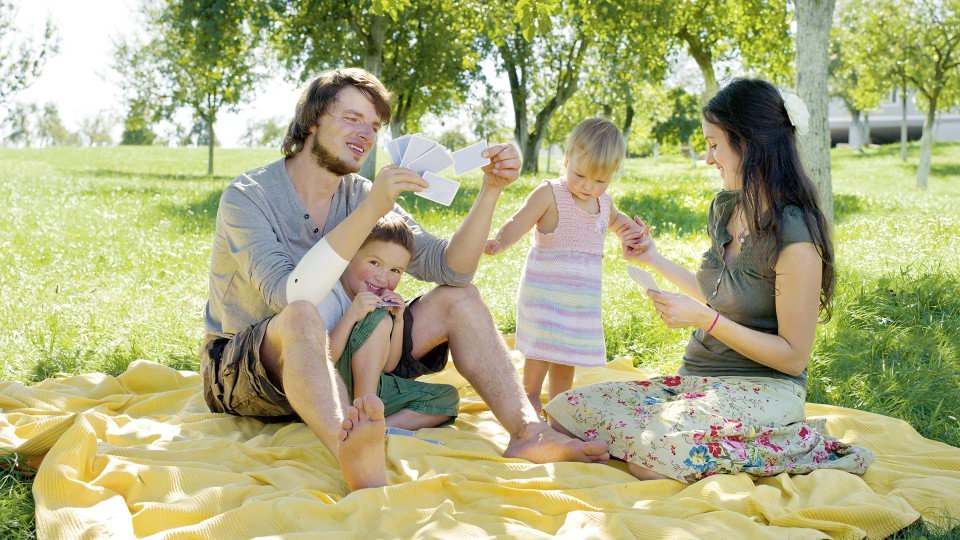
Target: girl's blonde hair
598,145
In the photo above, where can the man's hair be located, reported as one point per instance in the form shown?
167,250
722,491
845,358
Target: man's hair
599,144
321,92
392,229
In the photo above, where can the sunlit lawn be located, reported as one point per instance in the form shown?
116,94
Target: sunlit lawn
106,254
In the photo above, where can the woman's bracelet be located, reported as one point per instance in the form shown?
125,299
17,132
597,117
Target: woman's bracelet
714,323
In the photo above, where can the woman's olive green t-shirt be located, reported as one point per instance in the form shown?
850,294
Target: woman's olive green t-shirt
742,291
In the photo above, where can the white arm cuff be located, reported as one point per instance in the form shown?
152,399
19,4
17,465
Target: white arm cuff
315,275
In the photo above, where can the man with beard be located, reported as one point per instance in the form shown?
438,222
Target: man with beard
285,233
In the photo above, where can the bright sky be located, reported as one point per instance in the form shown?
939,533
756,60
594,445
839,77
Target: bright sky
80,79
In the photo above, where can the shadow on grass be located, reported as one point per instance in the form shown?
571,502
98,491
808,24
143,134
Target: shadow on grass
845,206
199,216
113,173
895,350
948,170
666,211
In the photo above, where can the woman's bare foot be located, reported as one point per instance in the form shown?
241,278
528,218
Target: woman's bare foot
643,473
539,443
360,449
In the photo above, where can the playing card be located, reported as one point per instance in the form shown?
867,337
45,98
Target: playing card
394,151
417,147
643,278
435,160
469,158
402,143
388,303
407,433
441,190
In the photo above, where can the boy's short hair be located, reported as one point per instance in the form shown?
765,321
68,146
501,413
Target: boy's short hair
393,229
599,143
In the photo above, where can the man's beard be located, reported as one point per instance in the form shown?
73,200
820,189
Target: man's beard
326,160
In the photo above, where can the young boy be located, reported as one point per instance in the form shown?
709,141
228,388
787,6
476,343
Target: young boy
368,344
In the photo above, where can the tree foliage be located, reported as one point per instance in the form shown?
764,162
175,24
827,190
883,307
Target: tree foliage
425,52
21,61
202,54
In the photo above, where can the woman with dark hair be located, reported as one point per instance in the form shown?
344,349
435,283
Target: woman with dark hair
737,403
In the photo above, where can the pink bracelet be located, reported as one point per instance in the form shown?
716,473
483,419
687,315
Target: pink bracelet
714,323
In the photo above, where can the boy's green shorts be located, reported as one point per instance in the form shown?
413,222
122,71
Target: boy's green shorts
397,393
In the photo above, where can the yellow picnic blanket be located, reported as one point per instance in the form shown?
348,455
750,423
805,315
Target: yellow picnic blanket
139,455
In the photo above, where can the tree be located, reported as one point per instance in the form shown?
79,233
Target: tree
136,126
21,121
96,129
814,18
543,56
486,108
203,54
755,32
267,132
931,40
50,130
680,121
21,62
424,52
863,67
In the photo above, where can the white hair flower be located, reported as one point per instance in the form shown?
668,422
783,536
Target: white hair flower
796,111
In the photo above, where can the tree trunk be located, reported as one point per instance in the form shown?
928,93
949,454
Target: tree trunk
926,145
628,122
903,124
401,110
855,131
373,62
814,18
701,55
210,146
692,152
656,150
549,156
866,138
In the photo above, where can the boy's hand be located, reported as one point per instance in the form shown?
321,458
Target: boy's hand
493,247
363,303
391,296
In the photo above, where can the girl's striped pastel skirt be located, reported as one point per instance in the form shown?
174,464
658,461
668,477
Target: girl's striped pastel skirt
558,308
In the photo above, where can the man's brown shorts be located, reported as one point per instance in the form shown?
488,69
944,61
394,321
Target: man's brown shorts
235,382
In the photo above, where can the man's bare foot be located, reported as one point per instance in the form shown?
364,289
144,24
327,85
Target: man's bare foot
360,449
539,443
643,473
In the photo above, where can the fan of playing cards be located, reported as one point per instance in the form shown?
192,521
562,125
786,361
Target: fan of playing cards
427,158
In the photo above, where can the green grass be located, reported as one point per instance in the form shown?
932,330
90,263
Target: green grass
107,254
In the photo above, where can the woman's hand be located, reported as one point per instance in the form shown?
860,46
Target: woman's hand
680,311
637,245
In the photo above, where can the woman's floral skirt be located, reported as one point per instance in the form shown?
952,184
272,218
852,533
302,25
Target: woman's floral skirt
689,427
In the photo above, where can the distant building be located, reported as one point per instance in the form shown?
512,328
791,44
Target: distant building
885,122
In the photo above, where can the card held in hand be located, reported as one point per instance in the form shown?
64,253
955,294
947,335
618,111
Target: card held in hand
469,158
643,278
435,160
441,190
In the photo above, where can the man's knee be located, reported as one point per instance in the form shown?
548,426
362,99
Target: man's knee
461,299
300,320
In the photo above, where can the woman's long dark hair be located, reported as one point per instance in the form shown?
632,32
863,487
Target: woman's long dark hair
752,113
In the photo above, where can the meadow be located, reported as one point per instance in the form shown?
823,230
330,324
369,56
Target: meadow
107,256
